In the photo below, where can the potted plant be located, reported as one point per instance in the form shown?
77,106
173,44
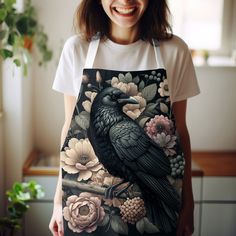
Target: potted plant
19,32
19,197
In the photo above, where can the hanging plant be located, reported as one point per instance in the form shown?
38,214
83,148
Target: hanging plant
19,32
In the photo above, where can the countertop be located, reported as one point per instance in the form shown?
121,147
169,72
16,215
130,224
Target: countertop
216,163
39,164
203,164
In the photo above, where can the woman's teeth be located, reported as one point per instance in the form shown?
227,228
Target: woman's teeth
124,11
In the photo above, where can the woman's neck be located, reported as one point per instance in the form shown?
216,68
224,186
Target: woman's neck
124,35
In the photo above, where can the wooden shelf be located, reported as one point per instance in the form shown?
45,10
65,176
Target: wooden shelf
31,169
216,163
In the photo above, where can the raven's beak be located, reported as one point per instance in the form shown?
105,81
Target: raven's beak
127,100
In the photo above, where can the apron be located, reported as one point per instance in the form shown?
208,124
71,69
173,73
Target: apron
122,164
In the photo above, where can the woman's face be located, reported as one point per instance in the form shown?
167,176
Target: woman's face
124,13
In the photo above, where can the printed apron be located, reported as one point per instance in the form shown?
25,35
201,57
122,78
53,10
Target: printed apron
122,164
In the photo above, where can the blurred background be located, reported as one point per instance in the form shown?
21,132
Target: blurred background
32,114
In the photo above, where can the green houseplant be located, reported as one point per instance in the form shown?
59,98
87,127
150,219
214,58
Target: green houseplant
19,32
19,197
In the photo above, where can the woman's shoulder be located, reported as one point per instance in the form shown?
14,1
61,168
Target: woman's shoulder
174,45
76,42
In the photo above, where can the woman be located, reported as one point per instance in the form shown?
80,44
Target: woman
126,157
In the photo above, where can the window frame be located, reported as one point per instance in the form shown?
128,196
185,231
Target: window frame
228,36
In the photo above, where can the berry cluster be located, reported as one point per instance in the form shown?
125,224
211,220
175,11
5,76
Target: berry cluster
133,210
153,76
177,166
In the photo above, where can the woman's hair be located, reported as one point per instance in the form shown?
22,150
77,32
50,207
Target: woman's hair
90,18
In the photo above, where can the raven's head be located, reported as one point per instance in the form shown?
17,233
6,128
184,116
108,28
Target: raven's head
113,97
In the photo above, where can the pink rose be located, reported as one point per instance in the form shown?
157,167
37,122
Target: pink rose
83,212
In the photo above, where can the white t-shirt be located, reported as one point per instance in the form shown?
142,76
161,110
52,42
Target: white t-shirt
137,56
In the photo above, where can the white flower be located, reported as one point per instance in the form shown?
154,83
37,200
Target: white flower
80,158
164,88
87,104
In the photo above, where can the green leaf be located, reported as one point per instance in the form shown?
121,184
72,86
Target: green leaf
83,120
26,25
118,225
140,226
121,78
105,220
17,62
3,34
149,92
17,187
3,14
5,53
149,227
151,107
136,80
10,20
141,85
128,77
143,121
47,56
164,108
11,38
9,3
24,196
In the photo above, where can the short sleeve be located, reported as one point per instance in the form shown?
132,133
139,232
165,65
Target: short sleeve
65,77
187,84
181,73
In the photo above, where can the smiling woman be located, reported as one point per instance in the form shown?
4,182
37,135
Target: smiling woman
124,16
125,156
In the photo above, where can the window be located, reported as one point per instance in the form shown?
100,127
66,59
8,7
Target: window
204,24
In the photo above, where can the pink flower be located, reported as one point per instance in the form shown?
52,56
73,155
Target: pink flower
158,125
83,212
167,142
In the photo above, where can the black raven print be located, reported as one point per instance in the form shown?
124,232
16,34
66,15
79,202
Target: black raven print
126,151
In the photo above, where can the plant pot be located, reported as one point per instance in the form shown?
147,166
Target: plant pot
28,42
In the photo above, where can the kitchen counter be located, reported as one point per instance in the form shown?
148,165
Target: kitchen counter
216,163
39,164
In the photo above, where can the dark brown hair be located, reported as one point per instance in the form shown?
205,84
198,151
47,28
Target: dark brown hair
90,18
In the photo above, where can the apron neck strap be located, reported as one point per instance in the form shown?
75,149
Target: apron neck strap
92,51
93,48
157,50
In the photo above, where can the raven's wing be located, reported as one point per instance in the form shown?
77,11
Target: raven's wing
136,150
145,159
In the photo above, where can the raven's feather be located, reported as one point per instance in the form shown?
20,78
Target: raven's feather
126,151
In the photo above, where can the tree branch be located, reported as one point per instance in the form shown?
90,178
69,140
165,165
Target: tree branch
83,187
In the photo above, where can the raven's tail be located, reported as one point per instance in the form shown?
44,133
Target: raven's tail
161,188
160,214
162,201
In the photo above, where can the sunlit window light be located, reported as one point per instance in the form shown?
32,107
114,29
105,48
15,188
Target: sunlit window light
199,23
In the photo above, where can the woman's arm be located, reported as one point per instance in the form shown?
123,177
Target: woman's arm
185,226
56,223
69,105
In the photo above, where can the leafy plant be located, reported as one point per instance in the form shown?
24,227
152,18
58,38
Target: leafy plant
19,197
19,32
